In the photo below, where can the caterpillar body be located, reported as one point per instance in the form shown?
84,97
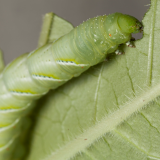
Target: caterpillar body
31,75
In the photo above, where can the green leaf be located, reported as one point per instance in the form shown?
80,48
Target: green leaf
53,27
111,112
1,62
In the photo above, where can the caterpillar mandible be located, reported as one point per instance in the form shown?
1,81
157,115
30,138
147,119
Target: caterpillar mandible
31,75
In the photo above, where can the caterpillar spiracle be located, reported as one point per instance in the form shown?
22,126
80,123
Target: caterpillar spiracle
33,74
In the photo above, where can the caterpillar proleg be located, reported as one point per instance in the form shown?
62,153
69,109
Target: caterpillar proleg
33,74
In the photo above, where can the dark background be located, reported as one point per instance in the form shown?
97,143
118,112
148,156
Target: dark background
20,20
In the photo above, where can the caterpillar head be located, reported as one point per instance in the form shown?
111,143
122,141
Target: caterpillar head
129,24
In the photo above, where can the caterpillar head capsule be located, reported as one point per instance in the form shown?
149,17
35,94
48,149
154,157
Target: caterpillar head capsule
129,24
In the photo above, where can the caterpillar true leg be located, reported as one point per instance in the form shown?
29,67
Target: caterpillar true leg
119,52
130,44
132,39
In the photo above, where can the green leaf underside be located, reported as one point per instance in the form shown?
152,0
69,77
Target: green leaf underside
1,62
53,27
110,112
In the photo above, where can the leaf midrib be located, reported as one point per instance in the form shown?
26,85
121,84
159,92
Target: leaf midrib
107,124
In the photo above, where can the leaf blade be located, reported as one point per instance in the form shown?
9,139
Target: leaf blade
53,27
121,93
1,61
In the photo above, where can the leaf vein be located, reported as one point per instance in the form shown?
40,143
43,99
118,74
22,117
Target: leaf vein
151,44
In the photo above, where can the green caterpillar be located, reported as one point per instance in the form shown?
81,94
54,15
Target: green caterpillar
32,75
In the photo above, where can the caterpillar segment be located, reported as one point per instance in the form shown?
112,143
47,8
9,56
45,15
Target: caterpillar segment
33,74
